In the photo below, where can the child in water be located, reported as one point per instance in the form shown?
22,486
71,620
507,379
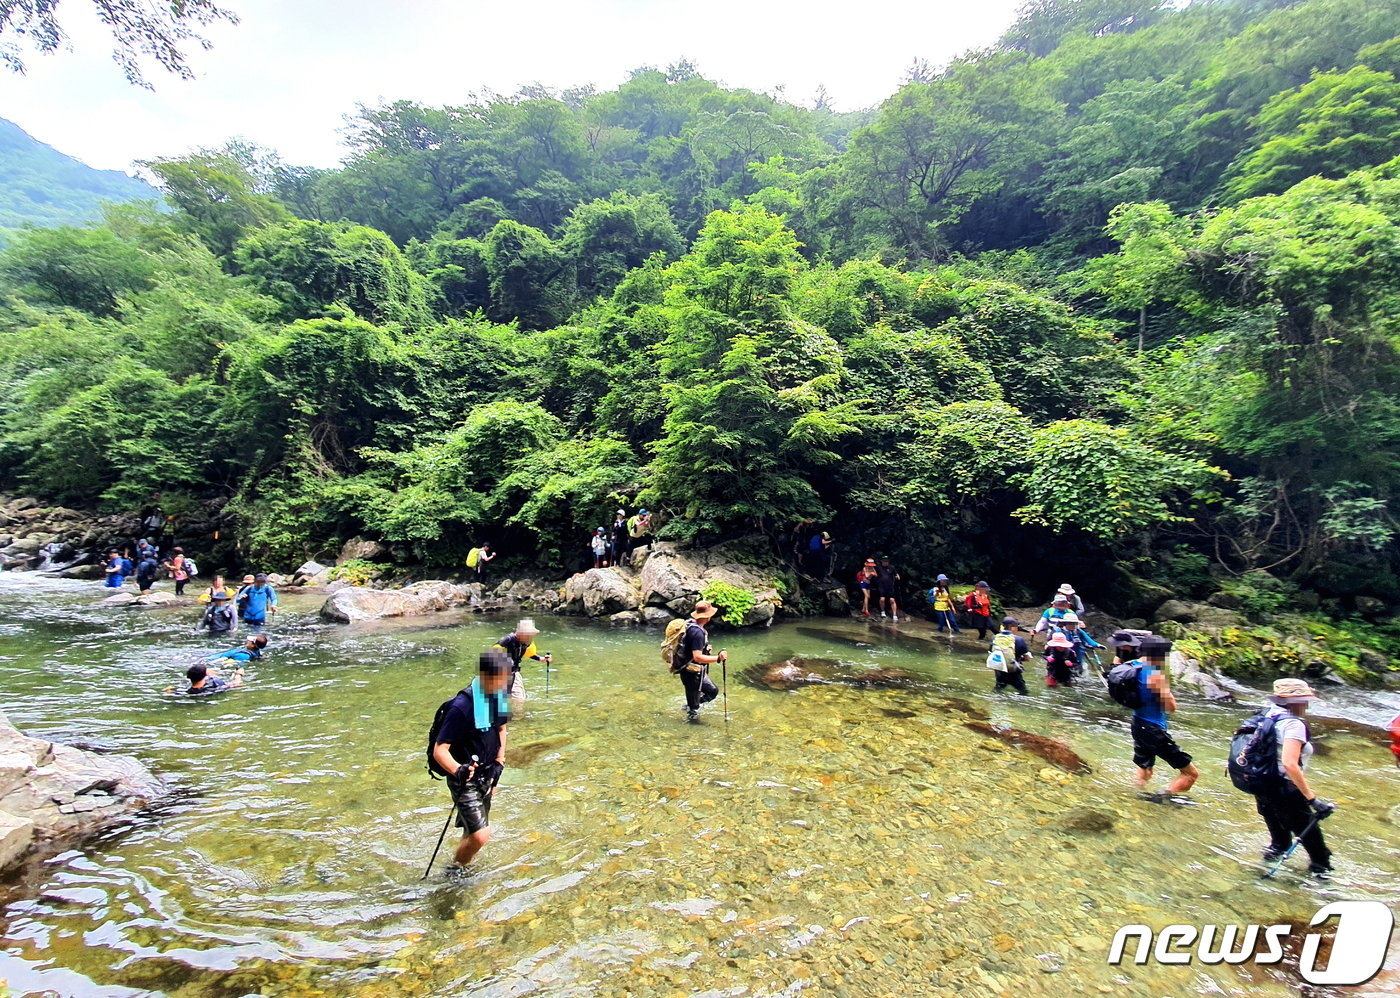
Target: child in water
1059,660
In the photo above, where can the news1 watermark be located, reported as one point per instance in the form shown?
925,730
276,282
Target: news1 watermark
1358,945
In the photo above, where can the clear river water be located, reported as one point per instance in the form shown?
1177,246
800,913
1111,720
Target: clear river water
833,840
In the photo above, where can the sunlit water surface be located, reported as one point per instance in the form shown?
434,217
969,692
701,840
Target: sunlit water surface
829,841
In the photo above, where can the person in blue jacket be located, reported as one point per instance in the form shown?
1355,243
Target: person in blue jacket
255,602
250,652
113,570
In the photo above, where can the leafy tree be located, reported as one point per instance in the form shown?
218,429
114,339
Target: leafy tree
531,279
1098,479
89,269
312,266
608,238
1330,126
139,27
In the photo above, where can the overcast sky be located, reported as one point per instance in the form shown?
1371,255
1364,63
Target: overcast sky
286,75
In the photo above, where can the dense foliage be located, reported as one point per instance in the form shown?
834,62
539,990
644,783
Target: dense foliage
1123,287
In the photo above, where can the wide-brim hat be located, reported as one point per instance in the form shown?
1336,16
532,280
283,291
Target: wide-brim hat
703,610
1123,639
870,561
826,536
982,585
526,626
1066,588
1059,641
1070,618
941,578
1289,690
260,577
1060,599
1010,622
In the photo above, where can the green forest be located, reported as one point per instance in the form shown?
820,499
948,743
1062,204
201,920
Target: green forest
1123,289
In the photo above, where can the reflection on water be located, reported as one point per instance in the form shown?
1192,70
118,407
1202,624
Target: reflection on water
831,840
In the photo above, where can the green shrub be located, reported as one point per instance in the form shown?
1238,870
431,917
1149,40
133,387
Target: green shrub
356,571
733,603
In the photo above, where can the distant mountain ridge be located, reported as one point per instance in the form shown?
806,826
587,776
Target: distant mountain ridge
41,186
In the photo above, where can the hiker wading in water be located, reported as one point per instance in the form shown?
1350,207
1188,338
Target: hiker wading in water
1292,808
1150,737
471,749
693,659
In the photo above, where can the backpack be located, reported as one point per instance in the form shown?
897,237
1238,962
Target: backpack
434,770
1123,685
1002,657
933,596
1253,761
675,630
191,568
473,557
126,566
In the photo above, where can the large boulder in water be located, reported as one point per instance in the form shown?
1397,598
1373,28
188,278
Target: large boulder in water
599,592
353,604
50,791
674,578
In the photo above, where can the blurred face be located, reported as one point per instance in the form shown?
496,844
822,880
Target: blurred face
494,682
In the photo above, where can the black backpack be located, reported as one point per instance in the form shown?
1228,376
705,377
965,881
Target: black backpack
1123,684
434,770
1253,762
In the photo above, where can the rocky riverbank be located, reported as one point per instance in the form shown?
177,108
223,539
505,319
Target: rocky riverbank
1217,636
52,793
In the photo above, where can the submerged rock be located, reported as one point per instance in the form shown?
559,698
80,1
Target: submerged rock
1086,819
523,755
1055,752
794,673
50,791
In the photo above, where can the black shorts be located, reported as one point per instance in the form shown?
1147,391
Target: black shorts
473,802
1151,741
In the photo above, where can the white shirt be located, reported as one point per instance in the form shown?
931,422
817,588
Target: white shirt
1290,726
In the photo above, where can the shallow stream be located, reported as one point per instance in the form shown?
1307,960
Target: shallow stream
833,840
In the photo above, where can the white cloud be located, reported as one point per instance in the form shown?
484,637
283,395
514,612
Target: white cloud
289,72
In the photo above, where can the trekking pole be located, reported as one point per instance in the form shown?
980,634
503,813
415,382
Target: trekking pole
547,671
1296,843
440,838
724,679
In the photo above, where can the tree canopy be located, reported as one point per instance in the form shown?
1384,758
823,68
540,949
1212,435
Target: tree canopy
1120,287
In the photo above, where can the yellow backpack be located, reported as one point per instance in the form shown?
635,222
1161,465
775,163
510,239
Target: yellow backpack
675,630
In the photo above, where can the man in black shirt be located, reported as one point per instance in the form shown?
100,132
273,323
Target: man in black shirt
693,656
471,749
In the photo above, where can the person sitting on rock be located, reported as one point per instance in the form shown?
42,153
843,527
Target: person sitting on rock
204,680
219,617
